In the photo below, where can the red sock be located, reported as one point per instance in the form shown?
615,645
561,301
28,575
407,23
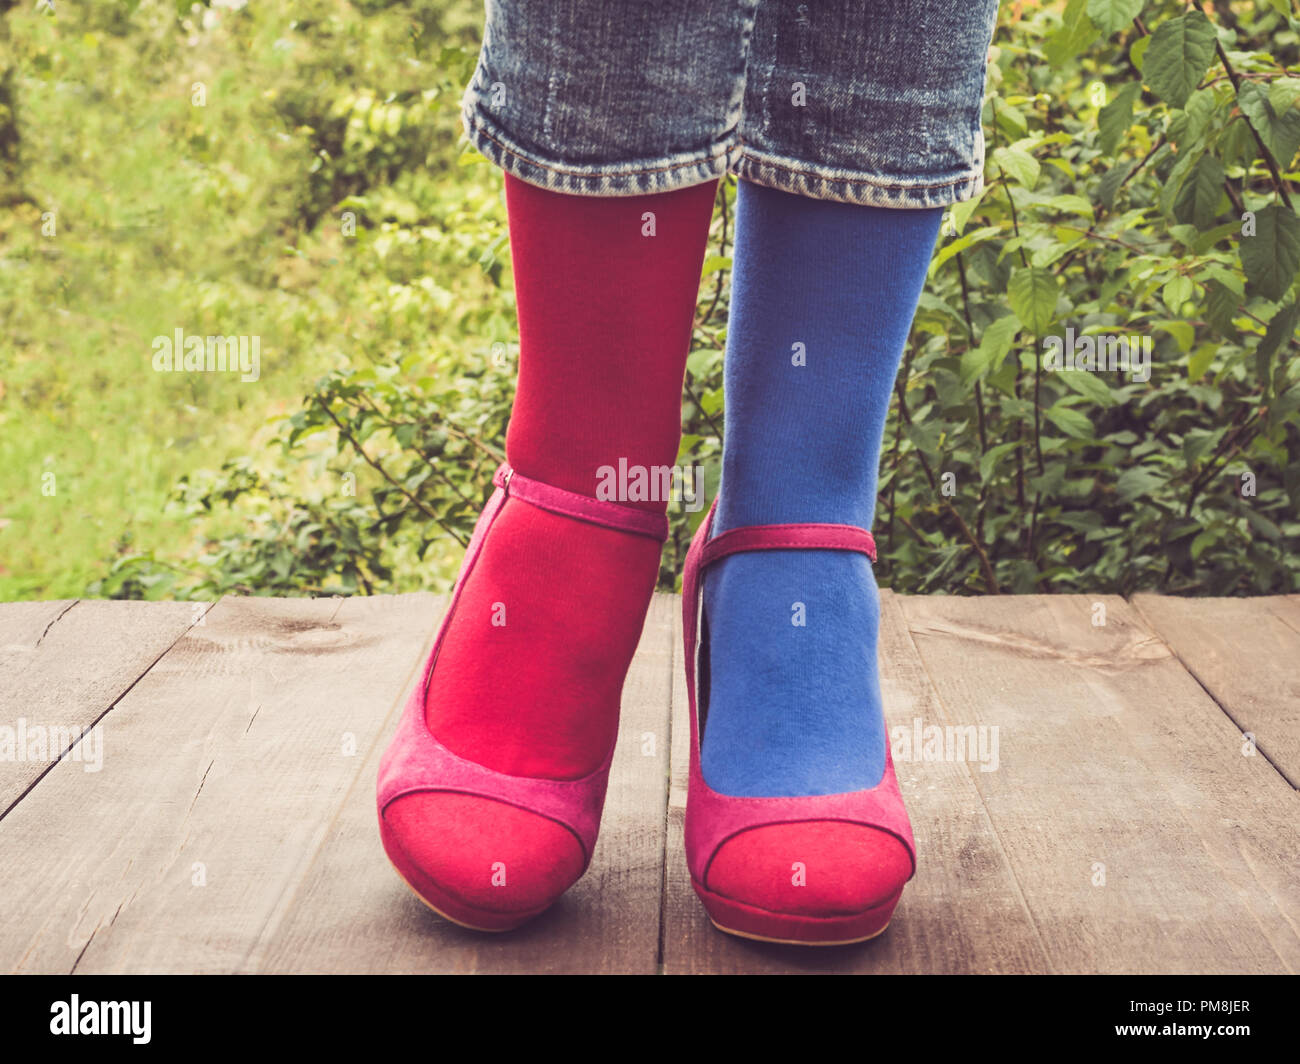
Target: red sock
606,293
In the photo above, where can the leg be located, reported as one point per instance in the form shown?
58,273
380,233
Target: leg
859,128
611,173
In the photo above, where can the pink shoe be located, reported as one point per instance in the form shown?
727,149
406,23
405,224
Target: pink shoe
746,855
520,842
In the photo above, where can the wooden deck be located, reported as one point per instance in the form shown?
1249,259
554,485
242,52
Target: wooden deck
1128,826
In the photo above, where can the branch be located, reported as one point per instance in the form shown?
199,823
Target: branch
1269,161
347,435
1210,471
990,579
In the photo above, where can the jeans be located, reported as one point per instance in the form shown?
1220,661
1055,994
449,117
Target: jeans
873,102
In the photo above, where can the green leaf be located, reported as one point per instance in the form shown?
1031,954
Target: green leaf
1199,197
1281,330
1262,524
1018,164
961,212
1090,386
1281,132
1177,291
1033,293
1138,481
1179,55
1076,33
1210,237
1137,53
1221,304
1187,126
991,457
993,347
711,401
1110,182
1204,540
1046,254
1237,146
1111,16
1070,421
1070,204
961,244
1183,332
1272,256
1199,361
1114,119
1284,93
1012,245
1227,278
702,361
1012,121
1186,235
1060,164
1187,160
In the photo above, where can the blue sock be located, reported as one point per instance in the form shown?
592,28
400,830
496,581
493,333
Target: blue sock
821,303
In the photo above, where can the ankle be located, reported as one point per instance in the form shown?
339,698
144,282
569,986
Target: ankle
531,667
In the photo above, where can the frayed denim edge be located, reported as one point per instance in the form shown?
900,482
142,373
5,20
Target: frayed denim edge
623,179
863,190
653,176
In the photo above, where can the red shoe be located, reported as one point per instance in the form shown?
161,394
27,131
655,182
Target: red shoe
815,870
519,842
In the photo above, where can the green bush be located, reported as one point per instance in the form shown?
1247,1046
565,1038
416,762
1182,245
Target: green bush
1140,183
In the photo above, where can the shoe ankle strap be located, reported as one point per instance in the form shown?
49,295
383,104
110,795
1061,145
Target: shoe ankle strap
788,537
615,515
803,536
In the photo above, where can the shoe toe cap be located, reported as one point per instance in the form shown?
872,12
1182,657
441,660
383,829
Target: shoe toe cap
487,856
813,868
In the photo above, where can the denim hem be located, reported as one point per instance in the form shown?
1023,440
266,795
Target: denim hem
595,179
695,168
850,186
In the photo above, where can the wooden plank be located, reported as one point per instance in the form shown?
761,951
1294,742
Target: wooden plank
23,625
64,664
962,912
224,768
1142,839
1246,653
353,914
226,757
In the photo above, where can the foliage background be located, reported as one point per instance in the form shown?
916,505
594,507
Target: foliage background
1141,180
